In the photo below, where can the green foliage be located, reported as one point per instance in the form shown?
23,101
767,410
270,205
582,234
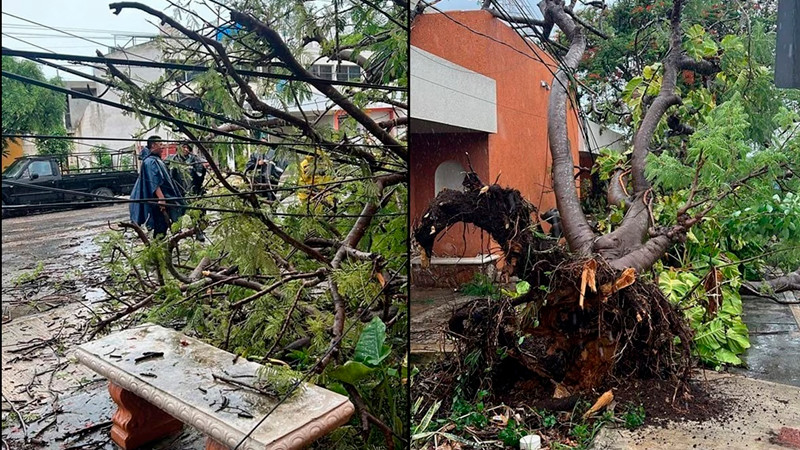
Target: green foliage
469,414
279,380
720,334
481,286
634,416
102,157
371,349
32,109
698,43
511,434
26,277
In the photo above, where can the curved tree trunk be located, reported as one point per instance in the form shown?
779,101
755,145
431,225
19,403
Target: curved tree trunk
578,233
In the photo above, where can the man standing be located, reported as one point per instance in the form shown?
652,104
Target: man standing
267,169
187,170
155,182
188,173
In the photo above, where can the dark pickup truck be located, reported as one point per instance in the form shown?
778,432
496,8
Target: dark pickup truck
29,181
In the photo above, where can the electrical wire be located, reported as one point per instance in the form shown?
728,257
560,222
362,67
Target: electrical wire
177,141
75,35
245,125
162,117
196,68
169,201
385,13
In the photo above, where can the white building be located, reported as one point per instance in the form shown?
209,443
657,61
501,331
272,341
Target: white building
91,119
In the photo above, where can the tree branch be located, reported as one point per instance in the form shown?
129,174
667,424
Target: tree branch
284,54
665,99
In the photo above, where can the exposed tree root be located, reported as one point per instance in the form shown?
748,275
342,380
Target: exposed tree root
628,333
581,324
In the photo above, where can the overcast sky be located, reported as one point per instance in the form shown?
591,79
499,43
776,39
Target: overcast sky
90,19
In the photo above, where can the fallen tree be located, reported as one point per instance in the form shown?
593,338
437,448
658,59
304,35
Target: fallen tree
591,310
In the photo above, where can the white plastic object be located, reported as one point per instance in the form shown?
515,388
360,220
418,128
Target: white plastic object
530,442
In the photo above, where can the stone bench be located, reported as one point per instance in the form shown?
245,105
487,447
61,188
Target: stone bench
157,395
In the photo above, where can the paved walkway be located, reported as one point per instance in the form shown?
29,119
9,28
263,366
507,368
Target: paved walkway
774,354
759,412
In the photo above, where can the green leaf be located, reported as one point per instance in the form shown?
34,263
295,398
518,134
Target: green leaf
350,372
726,356
711,335
523,287
371,349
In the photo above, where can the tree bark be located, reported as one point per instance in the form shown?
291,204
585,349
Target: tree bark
577,231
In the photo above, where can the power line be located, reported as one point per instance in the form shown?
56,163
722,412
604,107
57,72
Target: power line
73,35
330,146
195,68
385,13
160,116
178,141
111,200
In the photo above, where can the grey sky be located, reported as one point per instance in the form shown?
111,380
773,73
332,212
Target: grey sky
86,18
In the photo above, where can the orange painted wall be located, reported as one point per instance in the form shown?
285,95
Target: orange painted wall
430,150
14,151
519,151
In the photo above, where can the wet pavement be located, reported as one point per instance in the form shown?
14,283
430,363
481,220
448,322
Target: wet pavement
774,353
51,279
51,259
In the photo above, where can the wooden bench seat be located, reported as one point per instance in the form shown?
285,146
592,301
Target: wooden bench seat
157,395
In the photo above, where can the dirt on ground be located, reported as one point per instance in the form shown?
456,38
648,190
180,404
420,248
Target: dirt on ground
716,407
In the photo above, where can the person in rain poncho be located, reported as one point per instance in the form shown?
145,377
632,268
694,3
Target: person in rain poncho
155,182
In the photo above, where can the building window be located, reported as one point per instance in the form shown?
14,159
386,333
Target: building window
449,174
348,73
322,71
343,72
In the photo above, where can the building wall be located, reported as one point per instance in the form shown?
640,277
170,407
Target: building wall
14,151
98,120
519,150
431,150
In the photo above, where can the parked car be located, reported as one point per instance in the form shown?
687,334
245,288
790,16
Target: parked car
28,181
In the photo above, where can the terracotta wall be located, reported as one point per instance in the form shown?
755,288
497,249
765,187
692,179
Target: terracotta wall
14,151
518,151
428,152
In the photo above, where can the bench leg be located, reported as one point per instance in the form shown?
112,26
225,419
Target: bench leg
136,421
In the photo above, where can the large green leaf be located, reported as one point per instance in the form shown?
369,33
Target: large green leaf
351,372
726,356
711,335
370,348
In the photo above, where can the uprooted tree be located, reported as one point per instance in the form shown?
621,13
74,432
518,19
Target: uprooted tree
308,274
710,179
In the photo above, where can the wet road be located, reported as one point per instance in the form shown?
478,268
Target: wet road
51,276
52,257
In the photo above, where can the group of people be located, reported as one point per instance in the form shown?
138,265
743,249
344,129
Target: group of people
182,177
170,185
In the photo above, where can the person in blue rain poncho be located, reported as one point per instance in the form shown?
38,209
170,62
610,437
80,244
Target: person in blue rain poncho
155,182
